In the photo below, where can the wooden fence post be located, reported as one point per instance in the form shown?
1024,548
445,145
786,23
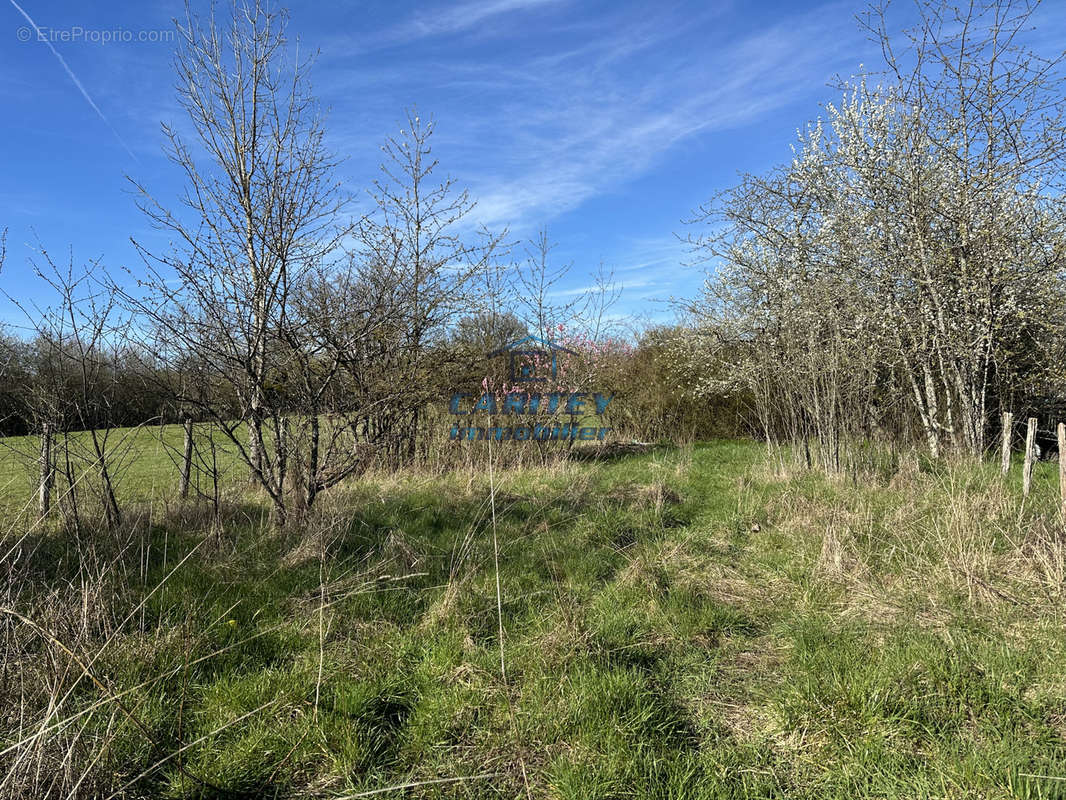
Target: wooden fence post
45,484
1008,435
1027,469
1062,467
186,459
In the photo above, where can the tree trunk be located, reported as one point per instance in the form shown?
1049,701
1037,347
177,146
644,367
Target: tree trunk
47,472
255,445
311,486
186,460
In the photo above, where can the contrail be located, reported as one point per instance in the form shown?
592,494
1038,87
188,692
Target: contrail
73,77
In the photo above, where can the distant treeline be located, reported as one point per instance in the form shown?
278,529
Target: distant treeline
654,388
42,384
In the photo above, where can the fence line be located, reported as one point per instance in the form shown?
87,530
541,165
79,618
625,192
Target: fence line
1007,436
47,470
1030,445
1062,468
186,460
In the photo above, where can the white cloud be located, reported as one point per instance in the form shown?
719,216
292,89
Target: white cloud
547,111
582,123
463,16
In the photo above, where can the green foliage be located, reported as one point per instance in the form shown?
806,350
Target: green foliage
678,624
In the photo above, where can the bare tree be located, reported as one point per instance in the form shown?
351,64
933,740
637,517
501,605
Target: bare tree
76,382
539,296
261,222
415,240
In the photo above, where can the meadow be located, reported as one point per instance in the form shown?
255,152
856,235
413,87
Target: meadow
144,462
705,621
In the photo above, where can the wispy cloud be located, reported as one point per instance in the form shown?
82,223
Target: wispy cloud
74,78
552,110
542,111
623,283
577,133
464,16
442,21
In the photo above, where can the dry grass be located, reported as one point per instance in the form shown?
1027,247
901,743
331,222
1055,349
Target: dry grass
922,540
690,624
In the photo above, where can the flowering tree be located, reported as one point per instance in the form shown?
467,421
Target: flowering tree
912,245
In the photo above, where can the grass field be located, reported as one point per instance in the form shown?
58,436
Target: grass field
688,623
144,462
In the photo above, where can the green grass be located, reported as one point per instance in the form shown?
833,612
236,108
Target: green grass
679,624
143,462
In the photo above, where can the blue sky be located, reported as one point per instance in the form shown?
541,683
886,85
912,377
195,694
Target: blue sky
609,122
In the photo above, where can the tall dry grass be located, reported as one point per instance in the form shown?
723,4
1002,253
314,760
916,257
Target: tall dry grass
927,538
